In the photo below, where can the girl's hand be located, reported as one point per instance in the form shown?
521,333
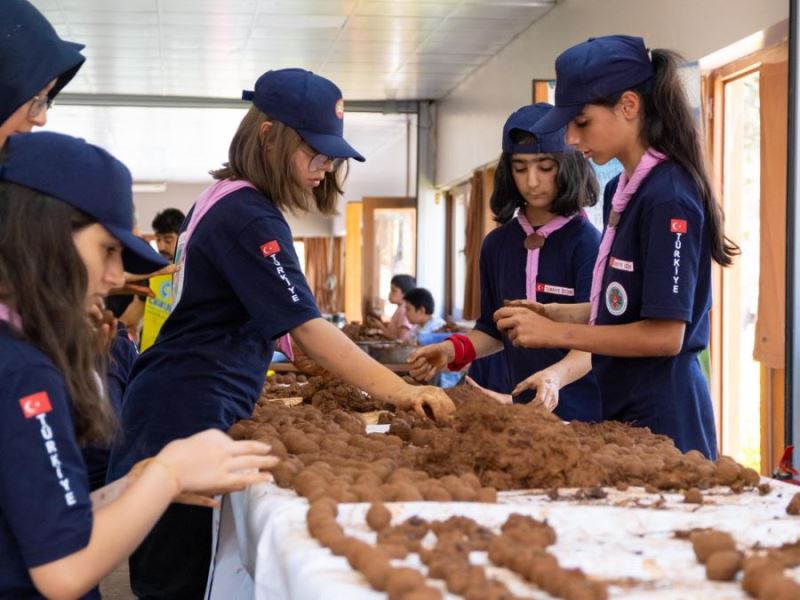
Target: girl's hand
104,325
417,398
496,396
183,498
547,384
429,360
211,463
537,307
526,328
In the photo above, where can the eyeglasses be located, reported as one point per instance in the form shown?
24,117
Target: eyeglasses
320,162
39,104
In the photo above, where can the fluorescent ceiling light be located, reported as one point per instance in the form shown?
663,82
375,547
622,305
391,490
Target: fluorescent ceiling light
302,21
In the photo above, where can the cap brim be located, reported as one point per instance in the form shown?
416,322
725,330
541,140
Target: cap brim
556,118
332,145
138,256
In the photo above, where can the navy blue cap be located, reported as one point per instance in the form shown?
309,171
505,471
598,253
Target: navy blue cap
31,56
524,120
594,70
85,177
309,104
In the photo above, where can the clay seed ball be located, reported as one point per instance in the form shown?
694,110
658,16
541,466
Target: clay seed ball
723,565
706,543
693,496
378,516
403,580
793,508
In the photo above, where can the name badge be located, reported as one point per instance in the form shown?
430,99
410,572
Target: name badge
621,265
555,289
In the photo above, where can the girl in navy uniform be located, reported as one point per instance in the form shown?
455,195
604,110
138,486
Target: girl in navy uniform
241,289
65,220
544,251
651,290
35,64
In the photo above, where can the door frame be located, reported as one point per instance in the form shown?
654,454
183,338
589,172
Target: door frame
369,274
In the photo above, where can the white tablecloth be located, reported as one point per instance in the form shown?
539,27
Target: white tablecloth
618,537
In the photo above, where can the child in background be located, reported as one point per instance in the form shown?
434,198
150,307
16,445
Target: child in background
419,307
399,327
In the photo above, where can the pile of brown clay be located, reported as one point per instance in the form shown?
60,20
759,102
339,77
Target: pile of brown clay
764,569
521,446
485,447
330,454
273,391
327,394
286,378
359,332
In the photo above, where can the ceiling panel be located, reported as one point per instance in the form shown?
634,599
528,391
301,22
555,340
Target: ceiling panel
209,6
405,9
182,144
373,49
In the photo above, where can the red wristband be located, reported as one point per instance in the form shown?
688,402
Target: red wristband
464,351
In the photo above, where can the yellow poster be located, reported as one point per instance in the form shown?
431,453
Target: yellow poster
156,310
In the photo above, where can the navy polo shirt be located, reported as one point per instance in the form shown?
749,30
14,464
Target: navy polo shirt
660,268
123,353
565,275
45,510
243,288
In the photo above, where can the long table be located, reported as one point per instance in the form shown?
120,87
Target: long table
264,550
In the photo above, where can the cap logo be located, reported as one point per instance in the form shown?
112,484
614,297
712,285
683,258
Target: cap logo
340,108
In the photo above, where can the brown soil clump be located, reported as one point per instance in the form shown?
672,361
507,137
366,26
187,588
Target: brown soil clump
706,543
693,496
485,447
378,517
793,508
723,565
359,332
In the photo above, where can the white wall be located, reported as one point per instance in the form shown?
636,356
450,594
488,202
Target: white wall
471,117
183,195
431,213
388,170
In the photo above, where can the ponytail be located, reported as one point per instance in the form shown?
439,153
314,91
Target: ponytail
670,127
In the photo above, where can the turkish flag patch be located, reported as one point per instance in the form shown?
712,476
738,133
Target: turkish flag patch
35,404
678,226
270,248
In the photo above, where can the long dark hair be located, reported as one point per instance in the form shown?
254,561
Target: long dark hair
670,127
576,183
268,164
44,280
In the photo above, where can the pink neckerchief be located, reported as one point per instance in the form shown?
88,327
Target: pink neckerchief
532,266
208,199
623,194
10,316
